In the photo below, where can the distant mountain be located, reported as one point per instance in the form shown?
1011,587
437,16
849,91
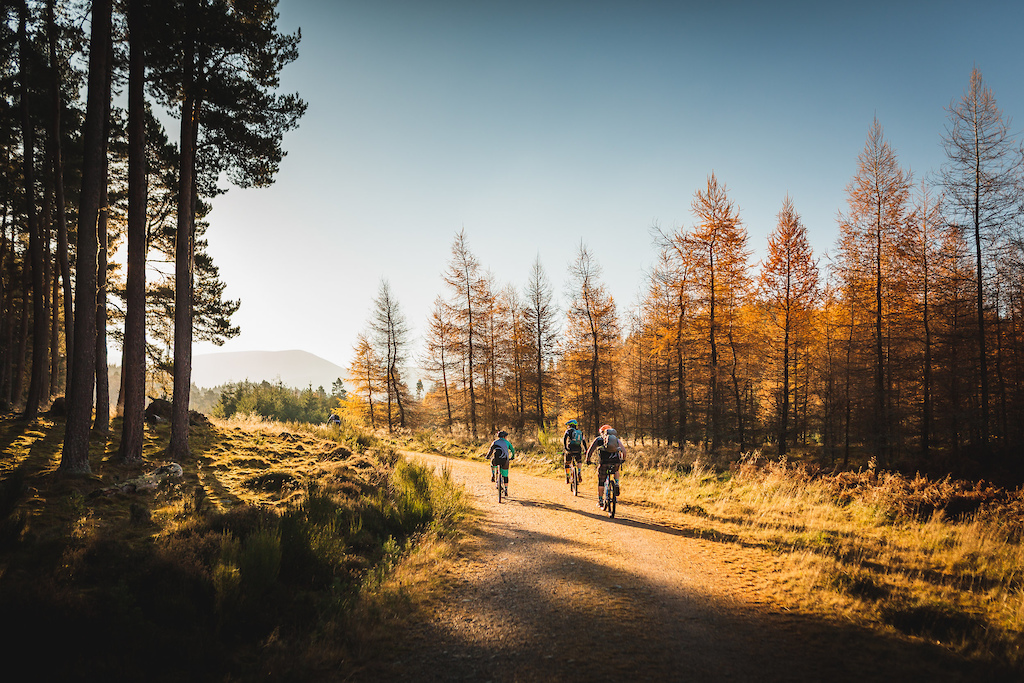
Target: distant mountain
298,369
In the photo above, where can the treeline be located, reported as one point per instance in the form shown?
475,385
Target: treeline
904,345
275,401
79,179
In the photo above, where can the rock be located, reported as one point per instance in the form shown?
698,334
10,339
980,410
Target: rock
59,407
158,410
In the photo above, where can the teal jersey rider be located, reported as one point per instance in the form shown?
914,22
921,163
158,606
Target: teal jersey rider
500,452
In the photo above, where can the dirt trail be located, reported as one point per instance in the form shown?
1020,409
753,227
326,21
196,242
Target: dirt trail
547,588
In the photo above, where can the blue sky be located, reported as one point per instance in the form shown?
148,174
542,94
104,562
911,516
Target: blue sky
538,125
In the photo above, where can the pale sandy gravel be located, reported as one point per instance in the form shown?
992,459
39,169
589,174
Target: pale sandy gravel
547,588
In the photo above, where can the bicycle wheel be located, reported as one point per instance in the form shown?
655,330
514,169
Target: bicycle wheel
575,480
497,478
610,497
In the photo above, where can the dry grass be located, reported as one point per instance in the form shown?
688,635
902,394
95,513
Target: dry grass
939,560
275,551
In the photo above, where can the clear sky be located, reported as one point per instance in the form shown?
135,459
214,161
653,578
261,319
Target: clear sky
535,125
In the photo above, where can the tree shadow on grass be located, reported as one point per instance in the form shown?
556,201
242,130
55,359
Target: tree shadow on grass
539,611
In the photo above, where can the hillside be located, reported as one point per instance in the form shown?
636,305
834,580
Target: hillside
295,368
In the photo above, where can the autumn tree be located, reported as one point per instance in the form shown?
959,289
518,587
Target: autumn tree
591,342
390,339
874,229
788,290
368,374
439,360
982,179
540,317
719,243
468,294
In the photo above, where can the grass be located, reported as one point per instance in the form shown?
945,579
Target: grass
940,560
275,555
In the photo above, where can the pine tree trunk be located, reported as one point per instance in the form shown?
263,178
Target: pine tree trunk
133,364
57,161
75,457
183,261
35,239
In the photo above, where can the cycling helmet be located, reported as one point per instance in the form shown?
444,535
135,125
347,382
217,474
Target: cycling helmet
502,434
572,423
604,428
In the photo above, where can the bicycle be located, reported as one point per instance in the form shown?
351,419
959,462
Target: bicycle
611,491
575,477
502,487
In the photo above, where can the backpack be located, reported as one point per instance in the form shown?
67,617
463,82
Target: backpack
611,441
575,437
496,452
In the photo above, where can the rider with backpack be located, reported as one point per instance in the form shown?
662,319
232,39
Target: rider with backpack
500,453
612,453
572,446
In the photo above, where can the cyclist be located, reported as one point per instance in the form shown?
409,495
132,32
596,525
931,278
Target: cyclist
572,446
612,453
501,452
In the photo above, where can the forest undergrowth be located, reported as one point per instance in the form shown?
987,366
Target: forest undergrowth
937,559
283,552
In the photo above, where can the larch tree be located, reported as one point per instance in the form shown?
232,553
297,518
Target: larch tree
468,302
982,179
391,343
368,373
541,320
788,290
878,196
592,337
719,244
439,359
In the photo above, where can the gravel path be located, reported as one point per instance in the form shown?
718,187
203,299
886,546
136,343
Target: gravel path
546,587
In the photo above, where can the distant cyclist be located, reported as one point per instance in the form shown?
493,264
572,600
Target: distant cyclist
612,454
501,452
572,446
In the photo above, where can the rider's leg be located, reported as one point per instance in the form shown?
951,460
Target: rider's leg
601,475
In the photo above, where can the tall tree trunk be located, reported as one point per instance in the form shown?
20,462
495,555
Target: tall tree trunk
184,257
982,352
54,314
40,353
784,419
6,318
57,161
715,408
22,357
101,424
133,365
49,324
540,370
75,457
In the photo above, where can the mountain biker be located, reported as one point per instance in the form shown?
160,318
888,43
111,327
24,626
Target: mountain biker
572,446
612,454
501,452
